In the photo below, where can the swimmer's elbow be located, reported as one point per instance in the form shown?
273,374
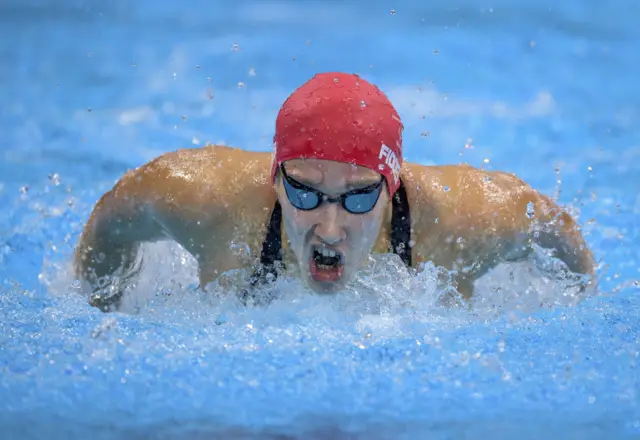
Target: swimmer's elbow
554,228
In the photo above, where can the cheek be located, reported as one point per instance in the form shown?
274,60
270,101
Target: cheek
297,226
366,228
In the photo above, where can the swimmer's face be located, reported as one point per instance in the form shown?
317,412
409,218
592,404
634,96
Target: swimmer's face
330,242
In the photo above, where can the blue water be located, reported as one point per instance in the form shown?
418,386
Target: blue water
90,89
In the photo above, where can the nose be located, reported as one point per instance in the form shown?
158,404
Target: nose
330,225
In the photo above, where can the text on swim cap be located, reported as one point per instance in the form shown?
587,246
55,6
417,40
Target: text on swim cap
391,160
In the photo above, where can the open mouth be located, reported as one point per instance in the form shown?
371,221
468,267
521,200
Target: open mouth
326,265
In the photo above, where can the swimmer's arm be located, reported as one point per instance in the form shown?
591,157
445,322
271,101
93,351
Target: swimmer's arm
122,219
552,227
530,218
169,198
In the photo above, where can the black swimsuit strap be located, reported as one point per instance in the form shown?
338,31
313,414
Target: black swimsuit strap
401,225
272,244
271,248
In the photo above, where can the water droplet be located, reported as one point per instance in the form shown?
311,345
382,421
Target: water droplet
240,84
392,12
195,141
235,47
335,80
435,51
446,189
362,104
175,75
436,220
425,133
530,210
381,167
208,79
590,168
592,399
24,189
469,144
252,72
55,178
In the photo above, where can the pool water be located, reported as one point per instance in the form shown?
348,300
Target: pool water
542,89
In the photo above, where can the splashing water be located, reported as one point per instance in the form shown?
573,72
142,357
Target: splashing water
383,358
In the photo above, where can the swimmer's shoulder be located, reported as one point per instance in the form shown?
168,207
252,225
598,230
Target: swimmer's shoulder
213,174
462,197
452,184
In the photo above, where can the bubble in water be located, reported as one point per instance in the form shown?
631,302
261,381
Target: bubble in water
392,12
486,160
446,189
240,85
425,133
362,104
335,80
252,72
235,47
24,189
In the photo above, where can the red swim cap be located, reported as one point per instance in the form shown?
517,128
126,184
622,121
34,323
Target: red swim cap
341,117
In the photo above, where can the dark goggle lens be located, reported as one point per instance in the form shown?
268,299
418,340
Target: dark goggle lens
362,202
301,198
305,199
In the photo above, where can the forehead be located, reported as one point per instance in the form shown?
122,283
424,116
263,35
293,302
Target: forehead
329,172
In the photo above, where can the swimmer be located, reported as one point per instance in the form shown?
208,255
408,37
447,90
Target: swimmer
334,189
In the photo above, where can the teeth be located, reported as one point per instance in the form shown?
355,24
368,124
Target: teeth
326,252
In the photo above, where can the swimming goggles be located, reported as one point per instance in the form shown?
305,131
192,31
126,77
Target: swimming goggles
356,201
